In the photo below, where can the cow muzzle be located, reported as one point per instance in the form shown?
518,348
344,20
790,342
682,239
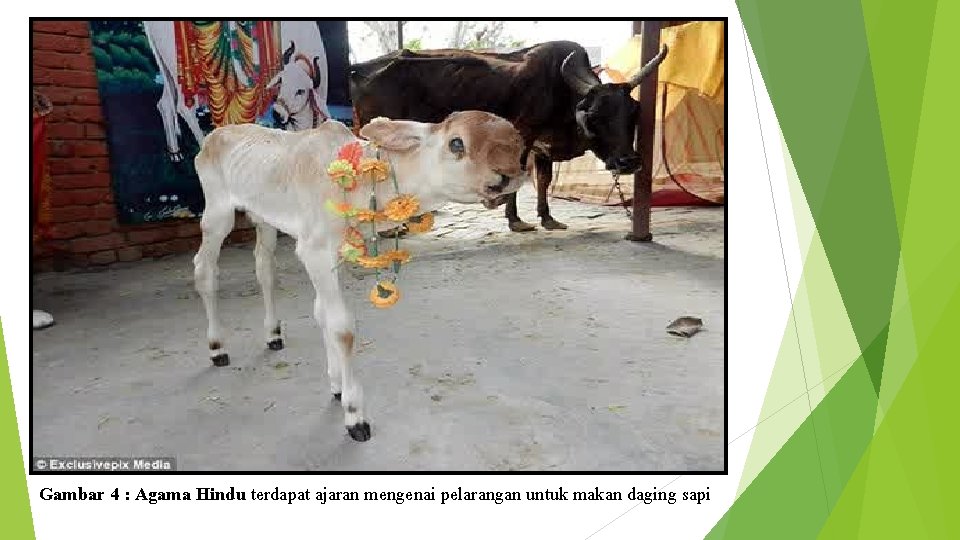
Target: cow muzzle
624,164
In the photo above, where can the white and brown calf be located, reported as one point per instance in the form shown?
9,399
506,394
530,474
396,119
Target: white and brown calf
279,178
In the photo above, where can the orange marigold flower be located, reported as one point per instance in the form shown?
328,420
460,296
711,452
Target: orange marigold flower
401,208
384,294
420,224
343,174
351,153
341,209
367,216
378,169
354,237
401,256
367,261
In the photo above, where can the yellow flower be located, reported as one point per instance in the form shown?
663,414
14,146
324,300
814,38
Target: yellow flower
379,169
341,209
343,174
401,208
384,294
373,262
420,224
369,215
401,256
351,253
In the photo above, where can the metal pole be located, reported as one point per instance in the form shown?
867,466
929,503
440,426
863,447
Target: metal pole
643,178
400,35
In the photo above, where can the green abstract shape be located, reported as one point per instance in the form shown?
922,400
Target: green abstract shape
14,498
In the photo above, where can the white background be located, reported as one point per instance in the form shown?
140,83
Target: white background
756,280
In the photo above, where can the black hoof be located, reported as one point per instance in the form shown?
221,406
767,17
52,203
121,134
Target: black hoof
359,432
551,224
275,344
337,396
221,360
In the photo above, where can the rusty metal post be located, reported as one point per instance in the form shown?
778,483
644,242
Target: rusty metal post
643,178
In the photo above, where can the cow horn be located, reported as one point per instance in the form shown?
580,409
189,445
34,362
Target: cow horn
317,76
649,67
288,54
577,74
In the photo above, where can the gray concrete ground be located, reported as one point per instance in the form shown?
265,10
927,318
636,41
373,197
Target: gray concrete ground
542,351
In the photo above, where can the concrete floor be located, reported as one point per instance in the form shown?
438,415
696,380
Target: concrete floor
542,351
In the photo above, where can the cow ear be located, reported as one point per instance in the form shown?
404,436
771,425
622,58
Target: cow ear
394,135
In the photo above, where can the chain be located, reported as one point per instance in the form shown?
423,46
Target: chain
623,200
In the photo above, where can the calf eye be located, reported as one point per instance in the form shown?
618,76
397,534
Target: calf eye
456,145
300,92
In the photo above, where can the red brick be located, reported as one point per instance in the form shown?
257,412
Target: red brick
59,96
65,130
78,165
70,78
65,231
71,197
131,253
75,148
95,131
96,243
58,60
84,113
69,214
73,28
184,245
185,230
241,236
79,181
86,96
50,42
105,211
103,257
151,235
160,249
97,228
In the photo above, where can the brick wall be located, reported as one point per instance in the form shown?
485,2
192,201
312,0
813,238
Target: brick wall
85,230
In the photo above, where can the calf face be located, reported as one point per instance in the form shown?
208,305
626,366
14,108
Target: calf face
470,157
299,77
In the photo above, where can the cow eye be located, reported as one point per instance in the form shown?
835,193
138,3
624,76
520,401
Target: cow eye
300,92
456,145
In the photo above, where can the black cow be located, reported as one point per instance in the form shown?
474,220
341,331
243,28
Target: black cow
548,91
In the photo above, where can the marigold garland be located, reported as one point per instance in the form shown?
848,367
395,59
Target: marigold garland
377,169
347,171
401,208
384,294
420,224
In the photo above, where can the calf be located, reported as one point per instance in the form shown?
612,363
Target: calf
279,178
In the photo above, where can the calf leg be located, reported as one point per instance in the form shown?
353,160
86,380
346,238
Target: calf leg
266,276
513,218
215,226
544,177
332,315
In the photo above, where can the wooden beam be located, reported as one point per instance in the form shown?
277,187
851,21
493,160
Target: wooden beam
643,178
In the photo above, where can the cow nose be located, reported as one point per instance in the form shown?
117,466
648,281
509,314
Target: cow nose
627,164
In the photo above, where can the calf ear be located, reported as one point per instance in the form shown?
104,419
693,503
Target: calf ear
394,135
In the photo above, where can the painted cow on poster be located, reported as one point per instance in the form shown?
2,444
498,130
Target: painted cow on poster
300,86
